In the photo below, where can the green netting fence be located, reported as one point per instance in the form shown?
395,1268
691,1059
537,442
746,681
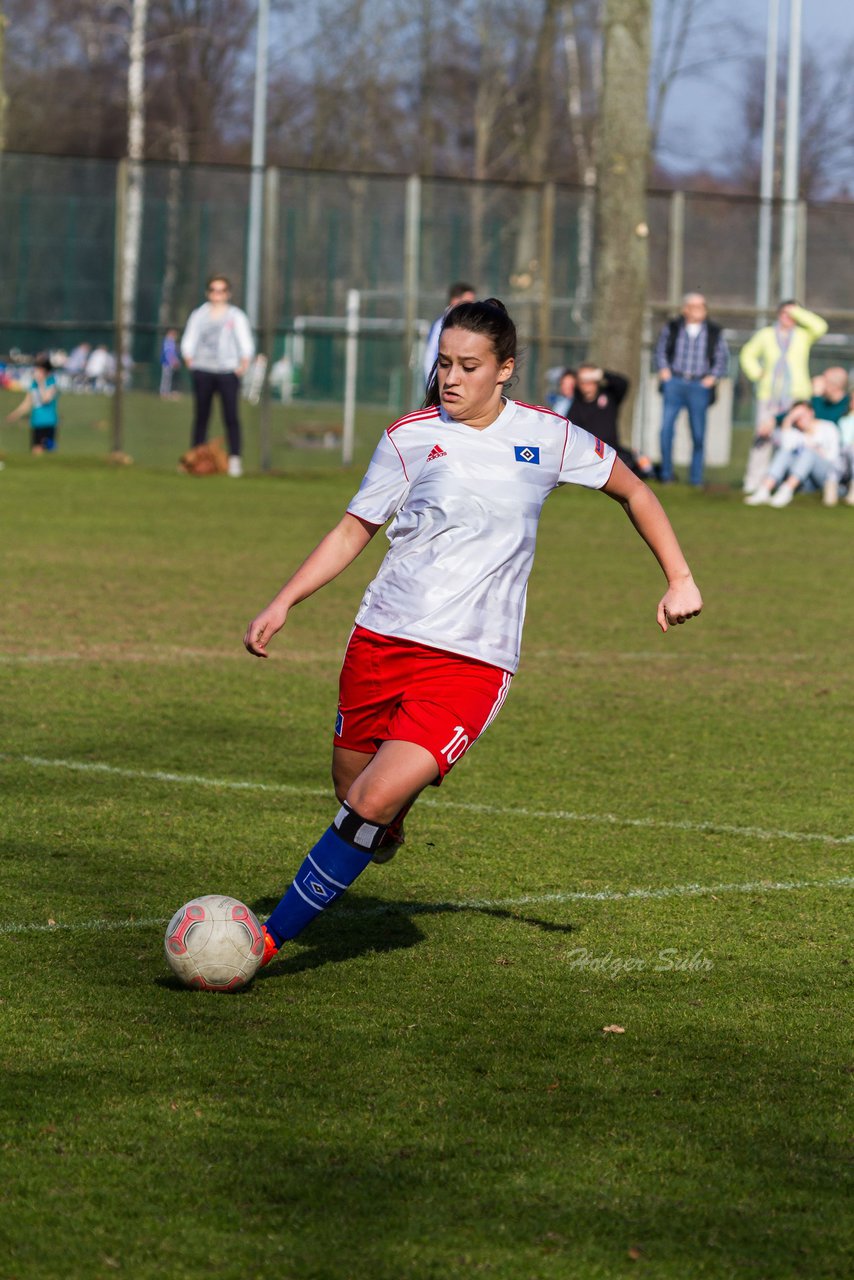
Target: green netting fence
397,241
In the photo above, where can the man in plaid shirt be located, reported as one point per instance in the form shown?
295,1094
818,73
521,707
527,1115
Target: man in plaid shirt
691,356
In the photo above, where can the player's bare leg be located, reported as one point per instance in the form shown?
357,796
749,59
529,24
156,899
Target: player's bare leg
347,765
386,784
397,774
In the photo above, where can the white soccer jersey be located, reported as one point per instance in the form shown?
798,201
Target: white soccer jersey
467,505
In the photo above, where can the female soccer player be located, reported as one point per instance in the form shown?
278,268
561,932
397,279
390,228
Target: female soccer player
437,635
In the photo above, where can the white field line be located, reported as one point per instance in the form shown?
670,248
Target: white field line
157,775
548,815
479,904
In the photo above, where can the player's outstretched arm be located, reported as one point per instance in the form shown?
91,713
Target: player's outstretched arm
682,599
331,555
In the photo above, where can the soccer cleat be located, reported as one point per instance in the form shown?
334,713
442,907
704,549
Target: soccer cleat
270,948
759,497
783,496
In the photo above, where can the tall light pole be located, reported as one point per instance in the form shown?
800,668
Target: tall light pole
791,158
766,181
256,188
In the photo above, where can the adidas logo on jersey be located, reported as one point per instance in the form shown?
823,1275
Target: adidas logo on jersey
436,452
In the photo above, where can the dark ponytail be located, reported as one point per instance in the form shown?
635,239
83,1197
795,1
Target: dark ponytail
488,318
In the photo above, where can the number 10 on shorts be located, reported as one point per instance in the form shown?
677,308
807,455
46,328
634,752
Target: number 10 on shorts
458,744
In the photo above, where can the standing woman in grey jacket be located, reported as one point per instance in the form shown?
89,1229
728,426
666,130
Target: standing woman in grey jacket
217,348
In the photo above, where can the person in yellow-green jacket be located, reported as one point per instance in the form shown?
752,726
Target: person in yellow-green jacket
777,360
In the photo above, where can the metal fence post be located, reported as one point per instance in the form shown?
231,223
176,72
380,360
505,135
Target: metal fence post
411,273
118,303
351,365
643,426
801,251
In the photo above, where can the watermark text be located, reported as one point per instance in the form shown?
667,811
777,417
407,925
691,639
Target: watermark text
669,960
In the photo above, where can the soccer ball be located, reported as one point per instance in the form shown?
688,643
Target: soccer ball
214,943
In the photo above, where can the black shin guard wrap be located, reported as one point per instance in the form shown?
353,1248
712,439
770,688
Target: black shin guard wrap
356,830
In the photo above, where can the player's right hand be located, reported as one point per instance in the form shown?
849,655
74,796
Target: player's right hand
681,601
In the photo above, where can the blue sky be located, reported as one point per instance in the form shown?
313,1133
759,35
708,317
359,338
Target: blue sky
710,98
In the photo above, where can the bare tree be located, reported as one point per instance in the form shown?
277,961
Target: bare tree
692,41
135,171
198,69
827,123
54,42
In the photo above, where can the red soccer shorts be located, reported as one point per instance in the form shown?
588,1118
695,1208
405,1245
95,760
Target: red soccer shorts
398,691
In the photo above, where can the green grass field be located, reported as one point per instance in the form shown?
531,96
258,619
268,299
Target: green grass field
423,1087
155,432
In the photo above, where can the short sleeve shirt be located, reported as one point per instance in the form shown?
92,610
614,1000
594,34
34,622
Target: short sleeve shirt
466,505
43,413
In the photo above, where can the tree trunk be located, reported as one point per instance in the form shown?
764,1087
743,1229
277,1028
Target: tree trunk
621,258
490,87
166,314
585,145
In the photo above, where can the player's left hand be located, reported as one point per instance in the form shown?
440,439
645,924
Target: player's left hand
261,630
680,602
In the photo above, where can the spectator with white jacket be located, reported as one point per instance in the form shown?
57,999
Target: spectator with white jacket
217,348
808,450
846,456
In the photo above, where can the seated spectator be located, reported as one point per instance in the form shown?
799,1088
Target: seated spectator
75,366
830,394
561,400
596,408
845,469
100,369
808,450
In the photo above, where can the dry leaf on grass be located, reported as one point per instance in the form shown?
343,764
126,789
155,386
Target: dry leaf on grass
614,1029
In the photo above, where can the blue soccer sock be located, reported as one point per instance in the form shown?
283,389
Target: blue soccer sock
340,855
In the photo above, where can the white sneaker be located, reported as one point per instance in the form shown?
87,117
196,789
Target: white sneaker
758,497
235,467
830,492
783,496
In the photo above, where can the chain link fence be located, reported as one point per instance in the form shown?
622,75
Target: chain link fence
398,242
